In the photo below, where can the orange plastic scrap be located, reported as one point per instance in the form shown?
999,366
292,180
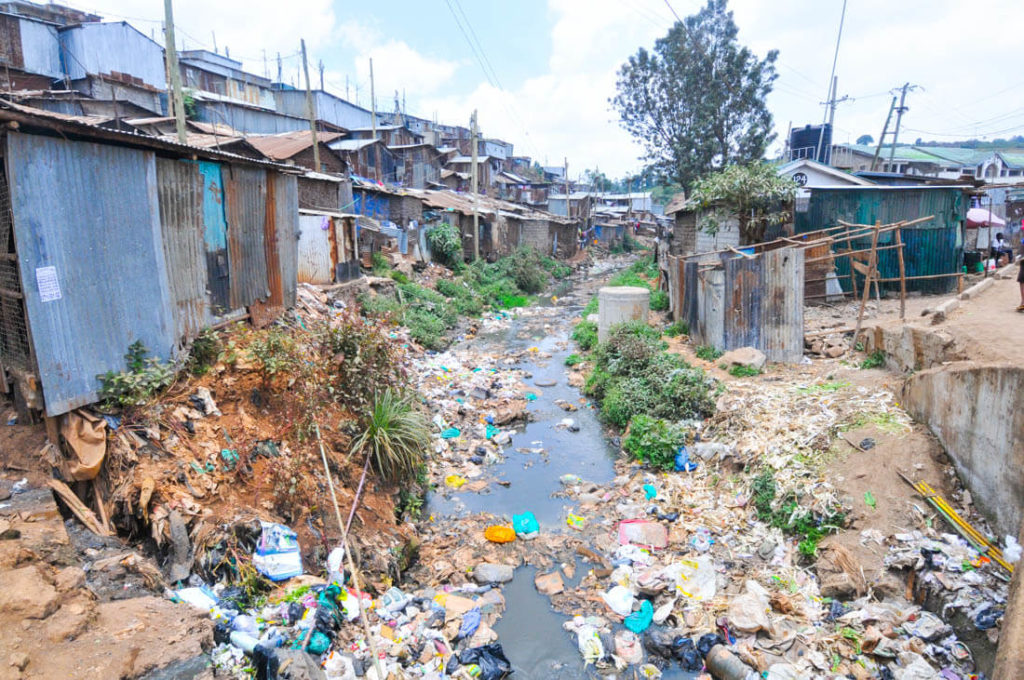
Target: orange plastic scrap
499,534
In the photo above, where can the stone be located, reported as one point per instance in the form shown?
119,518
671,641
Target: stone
766,549
549,584
69,578
835,351
488,572
19,660
27,594
745,356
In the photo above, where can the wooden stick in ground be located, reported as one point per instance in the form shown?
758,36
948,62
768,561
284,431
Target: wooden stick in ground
363,615
872,263
903,274
75,504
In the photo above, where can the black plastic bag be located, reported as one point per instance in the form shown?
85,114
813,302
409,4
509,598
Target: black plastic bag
707,641
491,659
265,660
686,652
660,642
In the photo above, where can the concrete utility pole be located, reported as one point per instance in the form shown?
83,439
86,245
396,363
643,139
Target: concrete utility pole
881,138
321,66
475,179
280,77
899,115
311,111
172,65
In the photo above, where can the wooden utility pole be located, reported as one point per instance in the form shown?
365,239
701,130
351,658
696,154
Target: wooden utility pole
172,65
871,273
475,175
321,66
373,125
311,111
903,273
568,203
280,76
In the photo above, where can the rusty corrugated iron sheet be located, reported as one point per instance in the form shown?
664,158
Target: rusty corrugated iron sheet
245,193
286,210
746,302
284,145
317,250
87,228
180,194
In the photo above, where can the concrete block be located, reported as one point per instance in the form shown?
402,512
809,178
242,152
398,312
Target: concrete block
618,304
943,310
977,289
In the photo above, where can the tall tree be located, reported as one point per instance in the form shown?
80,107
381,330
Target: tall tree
697,101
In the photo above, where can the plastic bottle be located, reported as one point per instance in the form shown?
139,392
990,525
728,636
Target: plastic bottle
724,665
243,641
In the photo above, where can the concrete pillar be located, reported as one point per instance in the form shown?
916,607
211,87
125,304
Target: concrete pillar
621,303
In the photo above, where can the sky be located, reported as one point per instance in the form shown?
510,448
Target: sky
540,72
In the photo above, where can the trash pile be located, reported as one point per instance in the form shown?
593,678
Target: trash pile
312,628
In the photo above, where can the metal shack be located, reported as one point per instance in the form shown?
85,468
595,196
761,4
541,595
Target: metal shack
932,249
108,238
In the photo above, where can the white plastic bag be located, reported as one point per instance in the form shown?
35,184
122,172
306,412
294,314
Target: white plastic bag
694,579
748,613
619,599
589,642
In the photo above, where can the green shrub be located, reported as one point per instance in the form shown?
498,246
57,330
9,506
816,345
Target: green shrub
625,398
379,264
792,518
739,371
597,383
204,353
678,328
585,335
528,271
654,442
398,277
875,360
628,277
362,359
591,308
573,359
466,302
380,306
145,378
659,300
707,352
445,244
395,435
276,353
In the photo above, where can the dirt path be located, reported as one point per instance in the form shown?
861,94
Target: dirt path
990,327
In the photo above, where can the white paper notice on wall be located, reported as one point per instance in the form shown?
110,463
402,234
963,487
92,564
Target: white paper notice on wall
49,286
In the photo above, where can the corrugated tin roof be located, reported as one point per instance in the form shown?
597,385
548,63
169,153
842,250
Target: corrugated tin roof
1012,160
284,145
677,203
351,144
77,125
467,160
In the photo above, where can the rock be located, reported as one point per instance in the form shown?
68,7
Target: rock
69,578
5,489
488,572
71,621
835,351
766,549
19,660
745,356
27,594
549,584
545,382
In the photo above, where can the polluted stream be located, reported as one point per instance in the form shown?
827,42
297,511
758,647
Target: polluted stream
530,629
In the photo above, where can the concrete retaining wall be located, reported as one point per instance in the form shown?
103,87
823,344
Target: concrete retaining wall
912,348
977,413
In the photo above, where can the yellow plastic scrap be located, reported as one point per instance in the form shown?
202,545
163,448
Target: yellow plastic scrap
575,521
499,534
454,481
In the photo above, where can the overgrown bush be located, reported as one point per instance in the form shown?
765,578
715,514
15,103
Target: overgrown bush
875,360
659,300
445,244
707,352
677,328
634,376
145,378
573,359
395,435
275,351
363,360
204,352
585,335
740,371
379,264
528,271
654,441
466,302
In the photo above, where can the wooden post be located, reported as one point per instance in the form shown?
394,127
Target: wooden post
311,111
903,274
171,55
373,125
475,177
872,264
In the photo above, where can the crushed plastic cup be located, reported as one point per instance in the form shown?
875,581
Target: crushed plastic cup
454,481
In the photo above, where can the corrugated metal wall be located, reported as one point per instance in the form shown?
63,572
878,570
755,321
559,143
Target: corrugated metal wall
746,302
102,48
245,193
180,191
315,255
934,247
86,219
286,218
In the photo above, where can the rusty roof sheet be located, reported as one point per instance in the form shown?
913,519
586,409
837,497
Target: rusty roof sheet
677,203
450,200
286,144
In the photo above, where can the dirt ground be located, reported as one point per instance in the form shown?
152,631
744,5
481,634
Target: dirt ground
990,325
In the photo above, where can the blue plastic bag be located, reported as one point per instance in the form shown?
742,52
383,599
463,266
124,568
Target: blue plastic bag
650,491
525,523
470,623
639,621
683,462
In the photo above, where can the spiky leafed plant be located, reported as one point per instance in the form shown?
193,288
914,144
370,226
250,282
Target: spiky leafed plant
394,435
